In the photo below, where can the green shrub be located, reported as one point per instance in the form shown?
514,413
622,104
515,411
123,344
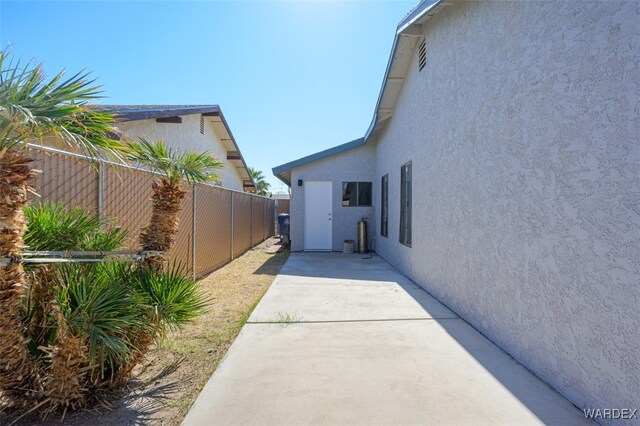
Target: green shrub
102,309
170,298
53,227
88,324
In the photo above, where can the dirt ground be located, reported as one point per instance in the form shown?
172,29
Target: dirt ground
174,371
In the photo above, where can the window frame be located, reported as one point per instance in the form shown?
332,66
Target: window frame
357,195
384,205
406,202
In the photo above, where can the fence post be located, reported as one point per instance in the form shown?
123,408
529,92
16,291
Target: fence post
251,222
100,189
232,193
193,231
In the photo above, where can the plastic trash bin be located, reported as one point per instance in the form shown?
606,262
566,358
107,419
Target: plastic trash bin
283,225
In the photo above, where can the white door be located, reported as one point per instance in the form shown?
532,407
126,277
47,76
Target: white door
317,215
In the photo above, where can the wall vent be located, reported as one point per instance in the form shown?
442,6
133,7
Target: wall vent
422,55
201,125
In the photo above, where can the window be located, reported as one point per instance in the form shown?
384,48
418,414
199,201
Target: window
384,206
202,125
405,204
356,194
422,55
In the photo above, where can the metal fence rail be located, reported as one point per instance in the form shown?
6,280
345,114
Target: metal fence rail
216,224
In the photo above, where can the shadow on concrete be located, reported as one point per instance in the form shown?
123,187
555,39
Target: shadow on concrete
273,265
510,373
340,266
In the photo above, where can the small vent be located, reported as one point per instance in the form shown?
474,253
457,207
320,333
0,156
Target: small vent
202,125
422,55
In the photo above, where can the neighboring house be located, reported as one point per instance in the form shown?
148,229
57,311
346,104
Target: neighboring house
501,172
187,127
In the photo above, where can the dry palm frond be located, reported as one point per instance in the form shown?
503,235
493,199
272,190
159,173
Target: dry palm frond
160,234
65,383
18,371
33,107
40,306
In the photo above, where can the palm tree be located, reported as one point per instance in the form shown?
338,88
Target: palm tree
262,186
159,235
34,108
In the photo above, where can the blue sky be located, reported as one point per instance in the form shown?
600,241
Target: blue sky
292,78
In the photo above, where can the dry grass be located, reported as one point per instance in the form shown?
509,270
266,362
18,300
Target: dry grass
235,290
174,371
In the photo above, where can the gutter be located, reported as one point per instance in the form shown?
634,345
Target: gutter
404,28
414,16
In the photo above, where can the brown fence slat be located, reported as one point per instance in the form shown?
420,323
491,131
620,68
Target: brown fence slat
257,222
213,228
283,206
126,198
66,179
241,223
181,252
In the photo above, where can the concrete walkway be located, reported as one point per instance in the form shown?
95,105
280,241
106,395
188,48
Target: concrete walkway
342,340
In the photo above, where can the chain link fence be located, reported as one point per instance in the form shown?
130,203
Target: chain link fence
216,224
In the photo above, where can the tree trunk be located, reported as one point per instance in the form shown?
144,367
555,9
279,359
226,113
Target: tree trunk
142,341
18,372
160,234
65,384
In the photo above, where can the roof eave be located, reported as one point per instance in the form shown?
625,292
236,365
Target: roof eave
283,177
124,115
403,29
218,113
283,170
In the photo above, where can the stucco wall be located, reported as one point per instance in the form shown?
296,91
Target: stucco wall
187,136
354,165
524,132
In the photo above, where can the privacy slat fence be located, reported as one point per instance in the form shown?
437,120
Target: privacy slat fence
283,206
241,223
216,224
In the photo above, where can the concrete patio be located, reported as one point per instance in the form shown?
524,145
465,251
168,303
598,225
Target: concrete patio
339,339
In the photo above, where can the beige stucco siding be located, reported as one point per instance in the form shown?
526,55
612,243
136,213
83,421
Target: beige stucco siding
353,165
524,132
187,136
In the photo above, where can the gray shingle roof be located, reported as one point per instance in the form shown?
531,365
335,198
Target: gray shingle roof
145,112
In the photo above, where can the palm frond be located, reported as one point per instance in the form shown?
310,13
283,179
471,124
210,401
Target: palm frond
33,108
262,186
171,297
102,308
51,226
190,166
